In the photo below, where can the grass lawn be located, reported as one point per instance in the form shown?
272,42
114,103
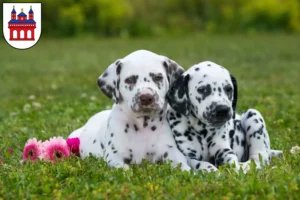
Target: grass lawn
62,75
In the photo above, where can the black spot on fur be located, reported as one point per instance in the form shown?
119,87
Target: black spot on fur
176,133
178,115
102,146
146,118
94,141
248,128
127,160
196,69
105,74
197,166
250,114
153,128
136,128
119,69
237,140
203,132
192,155
166,154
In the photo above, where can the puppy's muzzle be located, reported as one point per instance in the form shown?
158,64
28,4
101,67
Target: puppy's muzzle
219,115
222,113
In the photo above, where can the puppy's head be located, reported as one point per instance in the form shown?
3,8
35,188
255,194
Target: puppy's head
207,91
139,82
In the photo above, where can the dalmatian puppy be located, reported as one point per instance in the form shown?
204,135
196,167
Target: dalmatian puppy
204,123
136,127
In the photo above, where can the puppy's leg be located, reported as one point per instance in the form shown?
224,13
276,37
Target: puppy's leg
220,151
201,165
275,153
113,159
176,157
257,136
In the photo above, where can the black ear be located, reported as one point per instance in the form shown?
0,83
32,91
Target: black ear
177,96
173,70
109,81
235,94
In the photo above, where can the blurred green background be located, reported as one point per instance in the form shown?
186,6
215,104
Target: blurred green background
130,18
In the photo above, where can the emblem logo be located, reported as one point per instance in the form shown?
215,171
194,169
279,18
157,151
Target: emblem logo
22,24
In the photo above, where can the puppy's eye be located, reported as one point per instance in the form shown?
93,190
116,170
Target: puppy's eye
202,90
131,80
228,89
157,78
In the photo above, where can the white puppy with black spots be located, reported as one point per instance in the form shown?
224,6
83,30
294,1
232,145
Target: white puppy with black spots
204,123
136,127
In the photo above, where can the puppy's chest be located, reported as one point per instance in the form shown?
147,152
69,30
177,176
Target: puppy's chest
205,135
143,140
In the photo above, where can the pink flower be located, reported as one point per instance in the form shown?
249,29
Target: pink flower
10,150
55,149
32,150
73,144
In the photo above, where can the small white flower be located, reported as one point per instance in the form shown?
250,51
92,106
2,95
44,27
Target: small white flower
31,97
83,95
93,98
295,149
36,105
54,86
13,114
26,107
49,97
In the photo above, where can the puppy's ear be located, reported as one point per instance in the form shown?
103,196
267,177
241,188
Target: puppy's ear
173,70
235,94
177,96
109,81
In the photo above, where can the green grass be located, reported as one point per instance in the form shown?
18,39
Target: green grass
62,75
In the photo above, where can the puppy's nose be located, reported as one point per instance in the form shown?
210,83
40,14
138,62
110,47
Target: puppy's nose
146,99
222,111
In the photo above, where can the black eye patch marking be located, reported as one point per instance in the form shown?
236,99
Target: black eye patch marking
197,69
204,91
157,78
228,91
131,79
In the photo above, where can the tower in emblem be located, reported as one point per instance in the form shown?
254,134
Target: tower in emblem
21,28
